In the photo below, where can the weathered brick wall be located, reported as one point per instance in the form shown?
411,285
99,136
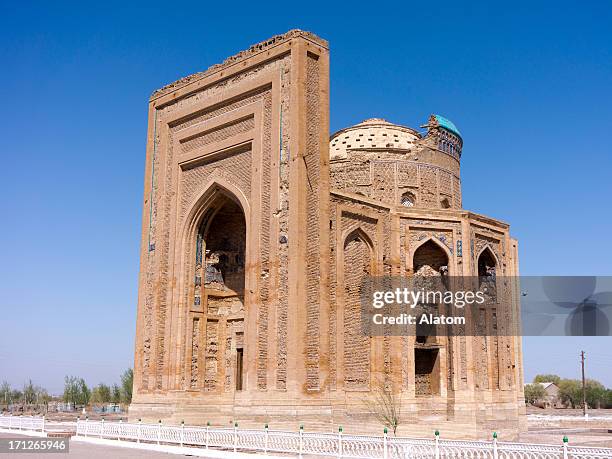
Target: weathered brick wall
388,179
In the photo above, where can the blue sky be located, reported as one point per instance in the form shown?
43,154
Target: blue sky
528,84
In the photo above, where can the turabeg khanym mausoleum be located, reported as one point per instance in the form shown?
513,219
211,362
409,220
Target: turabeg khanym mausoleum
257,231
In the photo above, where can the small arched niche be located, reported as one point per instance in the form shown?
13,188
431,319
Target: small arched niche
408,199
487,265
223,250
430,259
487,273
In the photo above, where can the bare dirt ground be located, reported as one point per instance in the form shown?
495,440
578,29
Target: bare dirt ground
550,425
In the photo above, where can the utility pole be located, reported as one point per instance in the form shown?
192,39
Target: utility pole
583,385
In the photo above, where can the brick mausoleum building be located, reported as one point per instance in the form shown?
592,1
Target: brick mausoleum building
257,231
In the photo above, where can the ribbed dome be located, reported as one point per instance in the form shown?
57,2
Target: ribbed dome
372,133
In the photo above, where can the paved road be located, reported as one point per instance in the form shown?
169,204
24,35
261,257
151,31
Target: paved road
88,451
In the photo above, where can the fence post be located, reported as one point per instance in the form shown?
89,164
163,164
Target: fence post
235,436
102,429
182,433
138,431
565,442
385,447
86,425
437,435
266,439
495,453
207,427
158,431
301,441
340,441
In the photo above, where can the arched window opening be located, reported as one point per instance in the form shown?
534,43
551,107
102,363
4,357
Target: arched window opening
487,267
408,199
430,260
225,242
486,264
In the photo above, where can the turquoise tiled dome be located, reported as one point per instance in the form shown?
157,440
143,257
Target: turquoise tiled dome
447,124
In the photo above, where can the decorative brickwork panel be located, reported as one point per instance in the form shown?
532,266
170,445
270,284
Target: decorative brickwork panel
313,247
351,176
428,193
457,193
195,353
446,183
357,259
407,175
333,296
218,134
383,181
281,240
211,370
235,168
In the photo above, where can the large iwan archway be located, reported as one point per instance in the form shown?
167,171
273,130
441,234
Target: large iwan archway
219,291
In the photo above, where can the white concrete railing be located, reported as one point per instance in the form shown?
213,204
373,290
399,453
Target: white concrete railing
329,444
22,423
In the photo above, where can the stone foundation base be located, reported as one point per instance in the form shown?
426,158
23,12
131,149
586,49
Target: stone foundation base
419,418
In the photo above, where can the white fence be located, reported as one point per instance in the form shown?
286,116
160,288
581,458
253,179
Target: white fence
327,444
22,423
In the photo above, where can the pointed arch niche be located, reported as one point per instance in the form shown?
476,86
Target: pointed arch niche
218,299
358,261
430,263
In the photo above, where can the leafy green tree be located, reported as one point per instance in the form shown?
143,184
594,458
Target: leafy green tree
609,398
534,393
547,378
127,382
71,390
595,394
116,395
570,392
76,391
101,394
84,392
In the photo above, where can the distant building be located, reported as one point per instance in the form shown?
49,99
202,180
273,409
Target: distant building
551,399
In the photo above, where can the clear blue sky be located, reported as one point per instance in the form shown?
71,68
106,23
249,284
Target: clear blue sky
528,84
